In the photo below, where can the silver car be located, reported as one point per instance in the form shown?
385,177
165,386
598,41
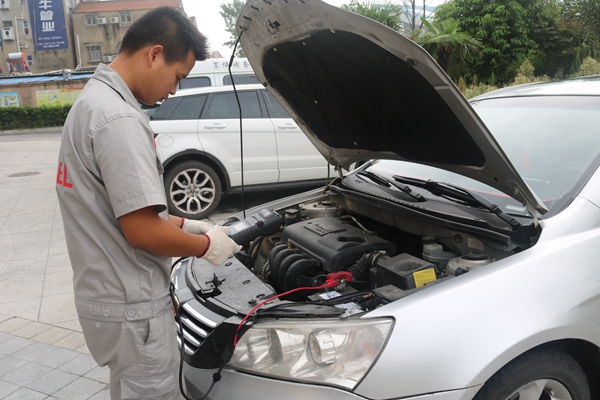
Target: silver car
457,263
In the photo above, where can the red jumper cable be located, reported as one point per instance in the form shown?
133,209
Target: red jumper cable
334,279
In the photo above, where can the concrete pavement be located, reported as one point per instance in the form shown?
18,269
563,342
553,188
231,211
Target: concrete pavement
42,350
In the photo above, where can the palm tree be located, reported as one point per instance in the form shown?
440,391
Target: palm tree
385,12
447,44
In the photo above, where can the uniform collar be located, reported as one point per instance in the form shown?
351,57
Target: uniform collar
111,78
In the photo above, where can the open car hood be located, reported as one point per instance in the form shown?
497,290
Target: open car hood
360,90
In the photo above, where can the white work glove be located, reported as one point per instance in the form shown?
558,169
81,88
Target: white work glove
196,227
220,245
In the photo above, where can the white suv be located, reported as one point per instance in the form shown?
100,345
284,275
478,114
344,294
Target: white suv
198,141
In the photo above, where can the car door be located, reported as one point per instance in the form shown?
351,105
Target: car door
298,158
176,124
219,134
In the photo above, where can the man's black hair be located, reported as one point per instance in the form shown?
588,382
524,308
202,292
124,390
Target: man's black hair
169,27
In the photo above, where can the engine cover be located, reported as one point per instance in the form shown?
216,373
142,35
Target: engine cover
332,243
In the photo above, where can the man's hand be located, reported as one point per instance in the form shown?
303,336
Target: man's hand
220,246
196,227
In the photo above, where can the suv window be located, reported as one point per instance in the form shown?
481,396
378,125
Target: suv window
225,106
240,79
275,109
194,82
189,107
166,108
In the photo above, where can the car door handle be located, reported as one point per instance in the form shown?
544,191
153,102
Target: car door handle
214,126
287,126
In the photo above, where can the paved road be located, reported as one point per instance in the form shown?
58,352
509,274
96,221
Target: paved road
42,351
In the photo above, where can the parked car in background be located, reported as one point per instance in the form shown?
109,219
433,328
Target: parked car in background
198,141
459,263
215,72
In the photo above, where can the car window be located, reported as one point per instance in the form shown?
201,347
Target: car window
165,109
194,82
225,106
553,142
240,79
275,109
189,107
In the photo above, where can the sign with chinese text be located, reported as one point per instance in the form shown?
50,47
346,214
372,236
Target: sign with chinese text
56,97
49,28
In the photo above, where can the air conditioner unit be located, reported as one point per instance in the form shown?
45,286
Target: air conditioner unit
107,58
5,4
114,20
101,21
7,34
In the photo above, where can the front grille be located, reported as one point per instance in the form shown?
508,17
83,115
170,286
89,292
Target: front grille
198,323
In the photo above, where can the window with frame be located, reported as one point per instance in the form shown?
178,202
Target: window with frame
126,18
91,19
225,106
194,82
21,1
26,27
30,60
189,107
166,108
94,52
241,79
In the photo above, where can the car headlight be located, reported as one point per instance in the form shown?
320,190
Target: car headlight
331,352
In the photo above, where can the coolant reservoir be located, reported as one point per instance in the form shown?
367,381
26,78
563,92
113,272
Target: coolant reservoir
431,248
435,254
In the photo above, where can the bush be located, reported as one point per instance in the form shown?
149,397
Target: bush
474,89
32,117
525,74
589,66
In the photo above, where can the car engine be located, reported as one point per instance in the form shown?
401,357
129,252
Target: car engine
322,237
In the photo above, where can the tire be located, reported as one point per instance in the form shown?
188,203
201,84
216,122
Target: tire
540,374
193,190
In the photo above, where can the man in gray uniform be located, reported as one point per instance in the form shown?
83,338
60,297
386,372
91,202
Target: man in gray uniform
110,189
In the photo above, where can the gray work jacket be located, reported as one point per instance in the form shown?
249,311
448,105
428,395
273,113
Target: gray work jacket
108,167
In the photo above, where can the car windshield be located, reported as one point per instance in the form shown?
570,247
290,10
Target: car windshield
552,141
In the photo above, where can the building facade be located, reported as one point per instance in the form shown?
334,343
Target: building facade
35,35
99,26
51,35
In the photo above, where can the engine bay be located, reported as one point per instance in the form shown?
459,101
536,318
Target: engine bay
389,254
336,252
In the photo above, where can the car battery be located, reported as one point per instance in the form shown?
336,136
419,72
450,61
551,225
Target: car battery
403,271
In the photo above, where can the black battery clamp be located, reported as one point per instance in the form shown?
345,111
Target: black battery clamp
266,222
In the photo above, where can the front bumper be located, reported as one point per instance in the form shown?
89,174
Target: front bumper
237,385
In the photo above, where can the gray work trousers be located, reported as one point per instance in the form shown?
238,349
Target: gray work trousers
142,356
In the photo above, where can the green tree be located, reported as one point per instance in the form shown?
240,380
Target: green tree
230,12
509,30
386,12
581,19
448,45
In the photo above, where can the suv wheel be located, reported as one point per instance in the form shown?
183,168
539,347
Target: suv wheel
193,190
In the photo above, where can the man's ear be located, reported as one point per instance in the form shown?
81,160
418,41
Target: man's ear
155,51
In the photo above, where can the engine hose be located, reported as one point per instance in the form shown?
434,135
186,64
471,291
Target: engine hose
360,269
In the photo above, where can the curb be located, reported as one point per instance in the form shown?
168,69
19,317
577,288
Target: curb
56,129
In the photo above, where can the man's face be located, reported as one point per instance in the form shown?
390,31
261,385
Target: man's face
164,78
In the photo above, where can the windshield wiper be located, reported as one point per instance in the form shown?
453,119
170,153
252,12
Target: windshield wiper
454,193
382,181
